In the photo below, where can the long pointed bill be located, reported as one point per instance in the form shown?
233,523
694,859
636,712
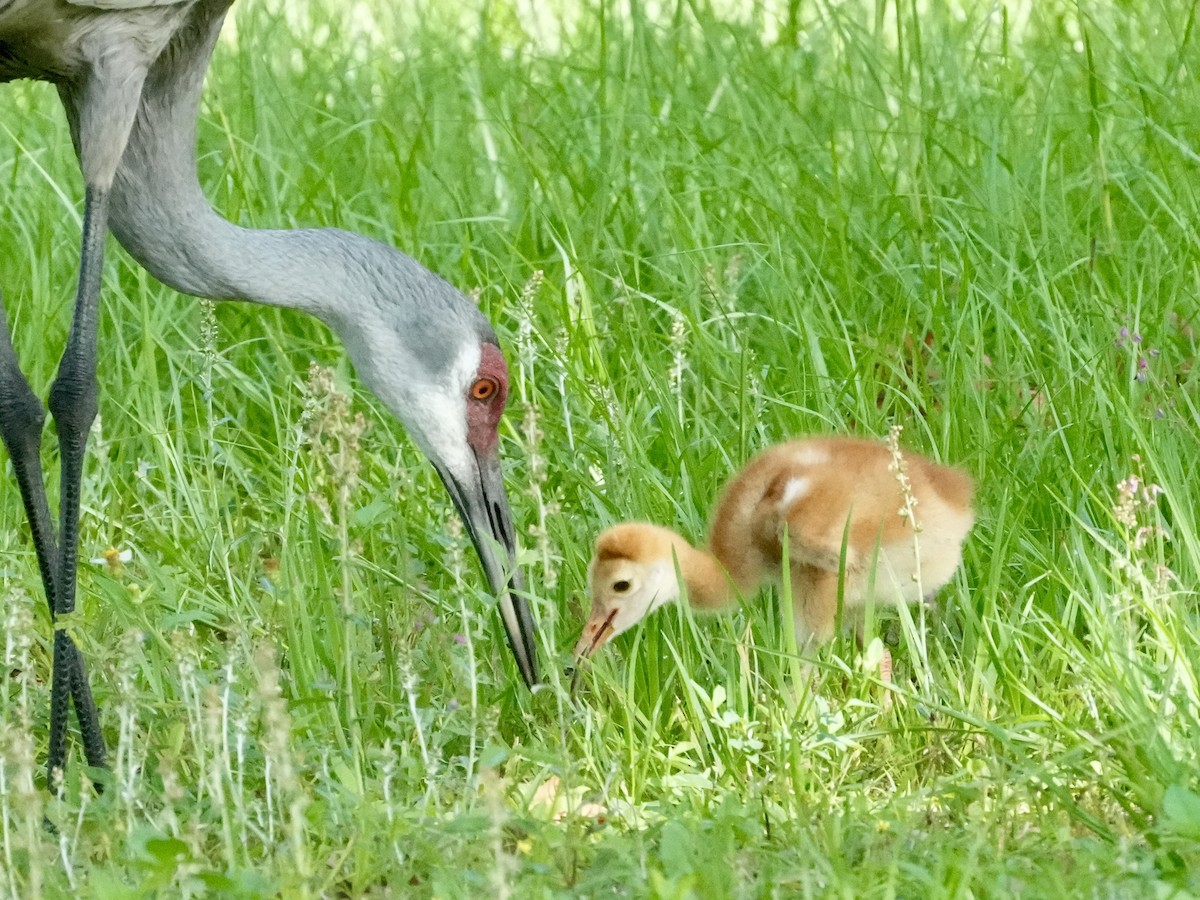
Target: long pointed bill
483,505
596,634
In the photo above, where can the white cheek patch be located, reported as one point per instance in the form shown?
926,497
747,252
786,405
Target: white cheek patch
440,414
442,429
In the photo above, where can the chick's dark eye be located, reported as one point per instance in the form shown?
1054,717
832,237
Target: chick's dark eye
621,586
484,389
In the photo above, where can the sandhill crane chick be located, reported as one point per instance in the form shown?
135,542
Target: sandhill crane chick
822,493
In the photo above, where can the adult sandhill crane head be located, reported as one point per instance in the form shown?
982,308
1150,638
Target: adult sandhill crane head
438,367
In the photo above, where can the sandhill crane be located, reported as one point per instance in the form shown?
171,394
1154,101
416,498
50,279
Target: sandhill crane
129,74
840,502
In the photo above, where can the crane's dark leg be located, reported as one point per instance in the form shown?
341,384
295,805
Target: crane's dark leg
73,403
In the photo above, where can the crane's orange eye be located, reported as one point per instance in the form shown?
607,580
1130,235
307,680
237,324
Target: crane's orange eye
484,389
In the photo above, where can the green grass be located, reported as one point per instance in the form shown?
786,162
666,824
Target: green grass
751,226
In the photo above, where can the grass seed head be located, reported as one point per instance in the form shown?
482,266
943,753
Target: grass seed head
899,466
333,434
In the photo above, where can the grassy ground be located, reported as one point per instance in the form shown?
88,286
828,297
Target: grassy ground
980,226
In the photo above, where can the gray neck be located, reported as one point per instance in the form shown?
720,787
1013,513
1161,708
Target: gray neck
160,215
